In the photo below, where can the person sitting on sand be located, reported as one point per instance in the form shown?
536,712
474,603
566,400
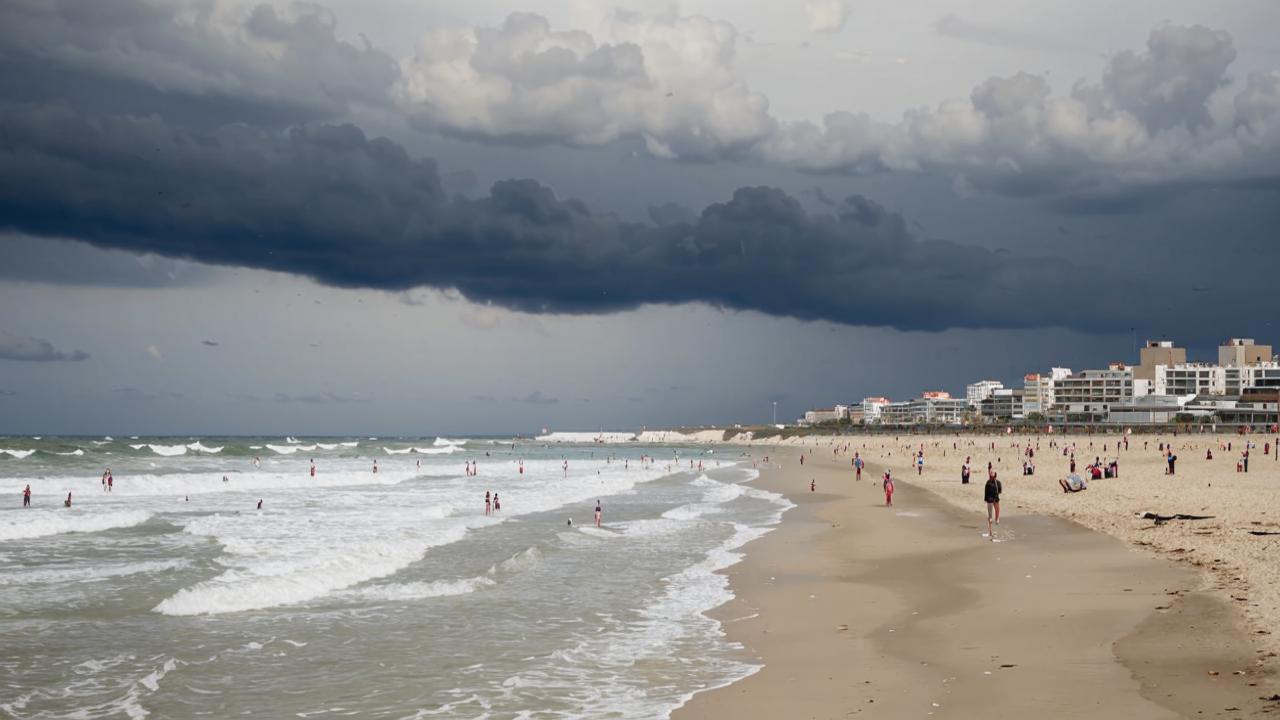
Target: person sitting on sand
1073,483
1095,472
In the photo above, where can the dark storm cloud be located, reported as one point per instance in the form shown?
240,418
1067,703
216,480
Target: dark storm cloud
32,349
219,152
329,203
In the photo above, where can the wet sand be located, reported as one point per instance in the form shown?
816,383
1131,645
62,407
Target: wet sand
858,609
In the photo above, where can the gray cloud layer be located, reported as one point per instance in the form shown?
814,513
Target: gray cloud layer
330,203
222,151
33,349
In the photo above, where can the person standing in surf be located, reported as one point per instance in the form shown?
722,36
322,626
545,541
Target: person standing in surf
26,496
598,513
488,503
496,504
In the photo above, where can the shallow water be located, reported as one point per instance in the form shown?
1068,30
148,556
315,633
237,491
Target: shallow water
387,595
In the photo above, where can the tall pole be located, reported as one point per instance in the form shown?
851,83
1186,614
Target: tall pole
775,412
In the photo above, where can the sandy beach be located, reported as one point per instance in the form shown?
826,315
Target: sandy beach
854,608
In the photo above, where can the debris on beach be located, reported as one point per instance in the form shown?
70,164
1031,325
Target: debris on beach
1161,519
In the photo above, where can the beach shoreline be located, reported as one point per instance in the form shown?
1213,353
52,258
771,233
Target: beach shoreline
854,608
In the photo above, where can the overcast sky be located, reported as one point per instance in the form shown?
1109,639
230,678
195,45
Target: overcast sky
398,217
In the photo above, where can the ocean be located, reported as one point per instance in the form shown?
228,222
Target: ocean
359,594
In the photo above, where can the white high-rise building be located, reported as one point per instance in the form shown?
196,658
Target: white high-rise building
1093,392
871,409
1190,379
977,392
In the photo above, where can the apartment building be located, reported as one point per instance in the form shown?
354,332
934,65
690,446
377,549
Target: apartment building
1089,394
1156,353
1262,376
1239,352
872,408
975,393
1190,379
1005,404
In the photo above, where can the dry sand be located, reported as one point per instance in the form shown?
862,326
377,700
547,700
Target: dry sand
857,609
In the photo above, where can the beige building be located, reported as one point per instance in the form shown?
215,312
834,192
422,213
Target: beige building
1238,352
1157,352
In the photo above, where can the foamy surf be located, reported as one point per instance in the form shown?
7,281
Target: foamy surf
39,523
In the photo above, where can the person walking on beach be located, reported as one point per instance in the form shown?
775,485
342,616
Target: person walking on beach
26,496
597,513
920,463
965,472
888,489
857,466
991,493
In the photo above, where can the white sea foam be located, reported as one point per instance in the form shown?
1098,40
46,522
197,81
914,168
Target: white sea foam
89,573
74,453
39,523
290,449
197,446
165,450
19,454
399,592
445,450
446,442
305,574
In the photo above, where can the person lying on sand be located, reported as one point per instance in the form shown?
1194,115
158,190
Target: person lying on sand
1073,483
